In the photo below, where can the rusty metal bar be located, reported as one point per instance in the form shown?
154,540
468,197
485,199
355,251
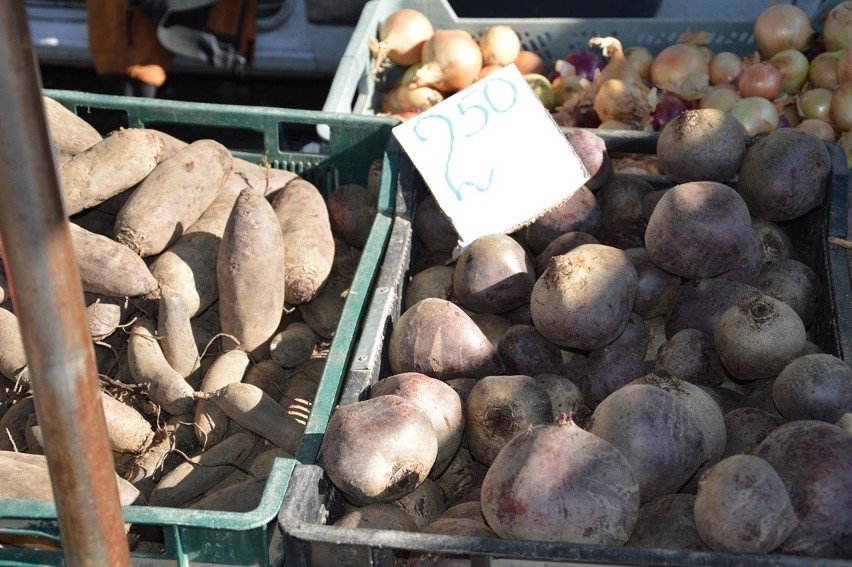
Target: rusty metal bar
48,298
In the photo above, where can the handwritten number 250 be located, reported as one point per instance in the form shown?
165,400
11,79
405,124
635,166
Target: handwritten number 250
496,99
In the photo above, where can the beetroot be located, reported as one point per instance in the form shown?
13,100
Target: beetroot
584,298
561,483
657,433
493,274
742,506
524,350
668,522
436,338
699,229
814,460
758,337
498,408
816,386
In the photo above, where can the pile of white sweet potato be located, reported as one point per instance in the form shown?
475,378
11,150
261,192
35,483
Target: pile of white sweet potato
213,287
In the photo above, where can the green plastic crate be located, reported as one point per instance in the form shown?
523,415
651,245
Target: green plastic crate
353,90
314,503
198,537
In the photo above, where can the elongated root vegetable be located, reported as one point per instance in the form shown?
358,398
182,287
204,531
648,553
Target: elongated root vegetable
251,274
189,265
308,241
103,170
127,430
25,477
108,267
175,331
253,409
172,197
13,359
69,133
294,345
211,423
148,365
192,478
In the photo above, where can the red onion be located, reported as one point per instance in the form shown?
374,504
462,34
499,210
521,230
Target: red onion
681,69
585,117
667,108
401,37
585,63
500,44
837,28
780,27
451,61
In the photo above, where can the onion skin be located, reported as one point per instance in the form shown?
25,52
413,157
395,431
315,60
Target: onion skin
837,28
500,44
682,69
529,62
780,27
401,37
760,79
451,61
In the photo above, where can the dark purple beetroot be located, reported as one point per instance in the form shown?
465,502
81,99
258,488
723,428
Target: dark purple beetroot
493,274
657,433
434,227
667,522
749,266
690,355
562,244
580,212
699,229
814,460
524,350
608,369
784,174
591,149
817,386
635,337
620,198
700,303
794,283
745,428
561,483
437,338
657,288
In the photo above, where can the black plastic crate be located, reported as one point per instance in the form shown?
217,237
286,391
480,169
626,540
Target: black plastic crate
313,503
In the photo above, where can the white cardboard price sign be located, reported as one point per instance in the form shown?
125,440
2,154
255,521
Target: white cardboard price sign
492,156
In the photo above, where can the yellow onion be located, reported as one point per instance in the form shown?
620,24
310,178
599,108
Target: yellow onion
780,27
681,69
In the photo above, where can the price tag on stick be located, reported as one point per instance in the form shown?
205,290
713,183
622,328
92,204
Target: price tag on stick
492,156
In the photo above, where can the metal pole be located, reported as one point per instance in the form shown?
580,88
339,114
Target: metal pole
48,298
